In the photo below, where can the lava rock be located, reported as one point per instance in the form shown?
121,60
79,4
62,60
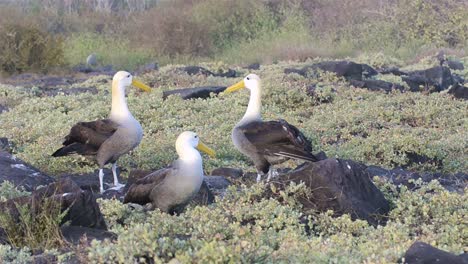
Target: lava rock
217,184
348,69
398,176
392,70
195,70
459,91
76,234
253,66
228,172
197,92
3,108
20,173
368,71
423,253
81,206
339,185
455,65
377,85
438,77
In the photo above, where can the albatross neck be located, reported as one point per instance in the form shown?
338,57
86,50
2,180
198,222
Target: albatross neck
190,159
253,112
119,110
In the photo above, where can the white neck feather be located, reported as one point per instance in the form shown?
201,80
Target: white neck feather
119,110
253,112
190,160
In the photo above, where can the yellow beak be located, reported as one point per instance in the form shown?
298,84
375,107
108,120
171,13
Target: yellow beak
204,148
141,85
235,87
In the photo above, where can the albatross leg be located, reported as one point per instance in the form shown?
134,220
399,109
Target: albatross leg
101,179
259,177
272,173
117,185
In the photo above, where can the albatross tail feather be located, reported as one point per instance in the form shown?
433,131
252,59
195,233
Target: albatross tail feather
75,148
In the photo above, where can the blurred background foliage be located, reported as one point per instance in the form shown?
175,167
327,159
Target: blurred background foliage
126,33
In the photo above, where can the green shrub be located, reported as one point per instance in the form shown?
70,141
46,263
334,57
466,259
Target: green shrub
114,50
36,227
9,191
27,48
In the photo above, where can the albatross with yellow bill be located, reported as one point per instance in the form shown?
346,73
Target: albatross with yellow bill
107,139
171,188
270,142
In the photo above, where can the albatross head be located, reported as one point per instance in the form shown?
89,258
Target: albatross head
189,141
123,79
251,82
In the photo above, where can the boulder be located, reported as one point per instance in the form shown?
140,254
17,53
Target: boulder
195,70
228,172
452,182
392,70
78,234
339,185
253,66
423,253
377,85
455,65
3,108
439,78
368,71
20,173
347,69
82,208
459,91
217,184
197,92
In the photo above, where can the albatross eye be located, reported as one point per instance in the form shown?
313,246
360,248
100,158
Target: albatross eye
128,76
248,78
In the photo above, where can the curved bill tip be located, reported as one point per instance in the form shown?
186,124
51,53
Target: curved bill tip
235,87
141,85
204,148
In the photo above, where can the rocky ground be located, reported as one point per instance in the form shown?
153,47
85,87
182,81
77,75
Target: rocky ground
345,186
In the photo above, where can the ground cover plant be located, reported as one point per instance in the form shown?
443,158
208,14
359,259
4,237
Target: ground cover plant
376,128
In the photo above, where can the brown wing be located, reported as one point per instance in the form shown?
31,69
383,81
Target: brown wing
278,138
139,192
85,138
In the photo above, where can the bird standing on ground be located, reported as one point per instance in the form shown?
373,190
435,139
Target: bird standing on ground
171,188
266,142
107,139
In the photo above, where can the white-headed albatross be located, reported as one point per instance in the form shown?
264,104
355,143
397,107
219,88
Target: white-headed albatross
171,188
107,139
270,142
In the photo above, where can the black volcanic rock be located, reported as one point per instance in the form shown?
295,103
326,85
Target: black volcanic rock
439,77
347,69
339,185
423,253
197,92
377,85
21,173
459,91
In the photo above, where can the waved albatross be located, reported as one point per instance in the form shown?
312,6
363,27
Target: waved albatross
171,188
270,142
107,139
